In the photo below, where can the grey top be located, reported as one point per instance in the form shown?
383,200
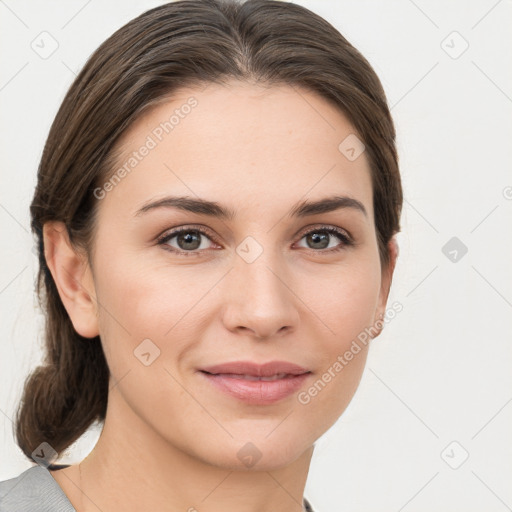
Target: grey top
35,490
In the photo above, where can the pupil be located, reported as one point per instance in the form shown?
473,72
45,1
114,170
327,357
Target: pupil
319,238
188,239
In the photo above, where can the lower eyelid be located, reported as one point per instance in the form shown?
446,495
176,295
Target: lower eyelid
165,239
344,238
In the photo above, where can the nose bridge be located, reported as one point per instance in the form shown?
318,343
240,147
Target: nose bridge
259,265
259,295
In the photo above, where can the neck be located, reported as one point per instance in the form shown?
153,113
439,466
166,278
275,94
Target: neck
130,455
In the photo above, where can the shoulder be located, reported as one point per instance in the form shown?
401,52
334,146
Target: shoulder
34,489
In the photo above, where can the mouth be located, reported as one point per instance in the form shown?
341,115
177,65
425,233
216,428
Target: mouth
249,368
244,376
257,384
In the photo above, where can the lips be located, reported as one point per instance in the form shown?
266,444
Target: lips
277,376
248,368
257,384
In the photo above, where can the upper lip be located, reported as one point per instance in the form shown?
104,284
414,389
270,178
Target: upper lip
257,370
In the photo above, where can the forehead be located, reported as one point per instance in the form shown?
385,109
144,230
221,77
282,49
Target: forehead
240,144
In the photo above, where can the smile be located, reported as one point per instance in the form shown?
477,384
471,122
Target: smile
257,390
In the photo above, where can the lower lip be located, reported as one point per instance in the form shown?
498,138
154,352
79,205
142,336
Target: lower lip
258,392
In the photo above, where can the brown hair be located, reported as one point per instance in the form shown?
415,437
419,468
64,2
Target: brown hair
179,44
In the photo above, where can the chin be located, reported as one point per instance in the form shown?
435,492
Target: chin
256,453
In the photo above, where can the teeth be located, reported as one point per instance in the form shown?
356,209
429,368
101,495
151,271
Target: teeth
254,377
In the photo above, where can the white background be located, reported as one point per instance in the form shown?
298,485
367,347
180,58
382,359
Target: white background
440,372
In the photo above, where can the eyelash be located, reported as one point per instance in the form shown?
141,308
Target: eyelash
162,240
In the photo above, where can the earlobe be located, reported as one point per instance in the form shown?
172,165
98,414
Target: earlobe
387,278
73,278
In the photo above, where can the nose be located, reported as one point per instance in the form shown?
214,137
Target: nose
259,298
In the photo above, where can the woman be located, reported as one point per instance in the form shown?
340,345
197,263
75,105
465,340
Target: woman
216,208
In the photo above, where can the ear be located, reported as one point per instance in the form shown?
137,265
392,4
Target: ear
386,279
73,277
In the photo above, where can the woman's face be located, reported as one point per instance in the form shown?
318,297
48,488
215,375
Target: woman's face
264,284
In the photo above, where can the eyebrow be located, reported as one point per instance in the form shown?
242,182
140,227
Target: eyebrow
214,209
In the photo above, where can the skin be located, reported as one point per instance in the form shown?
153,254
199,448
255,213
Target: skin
169,434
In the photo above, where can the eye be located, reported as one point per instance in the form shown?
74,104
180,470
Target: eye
318,238
189,240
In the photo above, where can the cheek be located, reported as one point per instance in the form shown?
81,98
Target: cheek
345,309
159,304
139,323
140,297
344,302
324,401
